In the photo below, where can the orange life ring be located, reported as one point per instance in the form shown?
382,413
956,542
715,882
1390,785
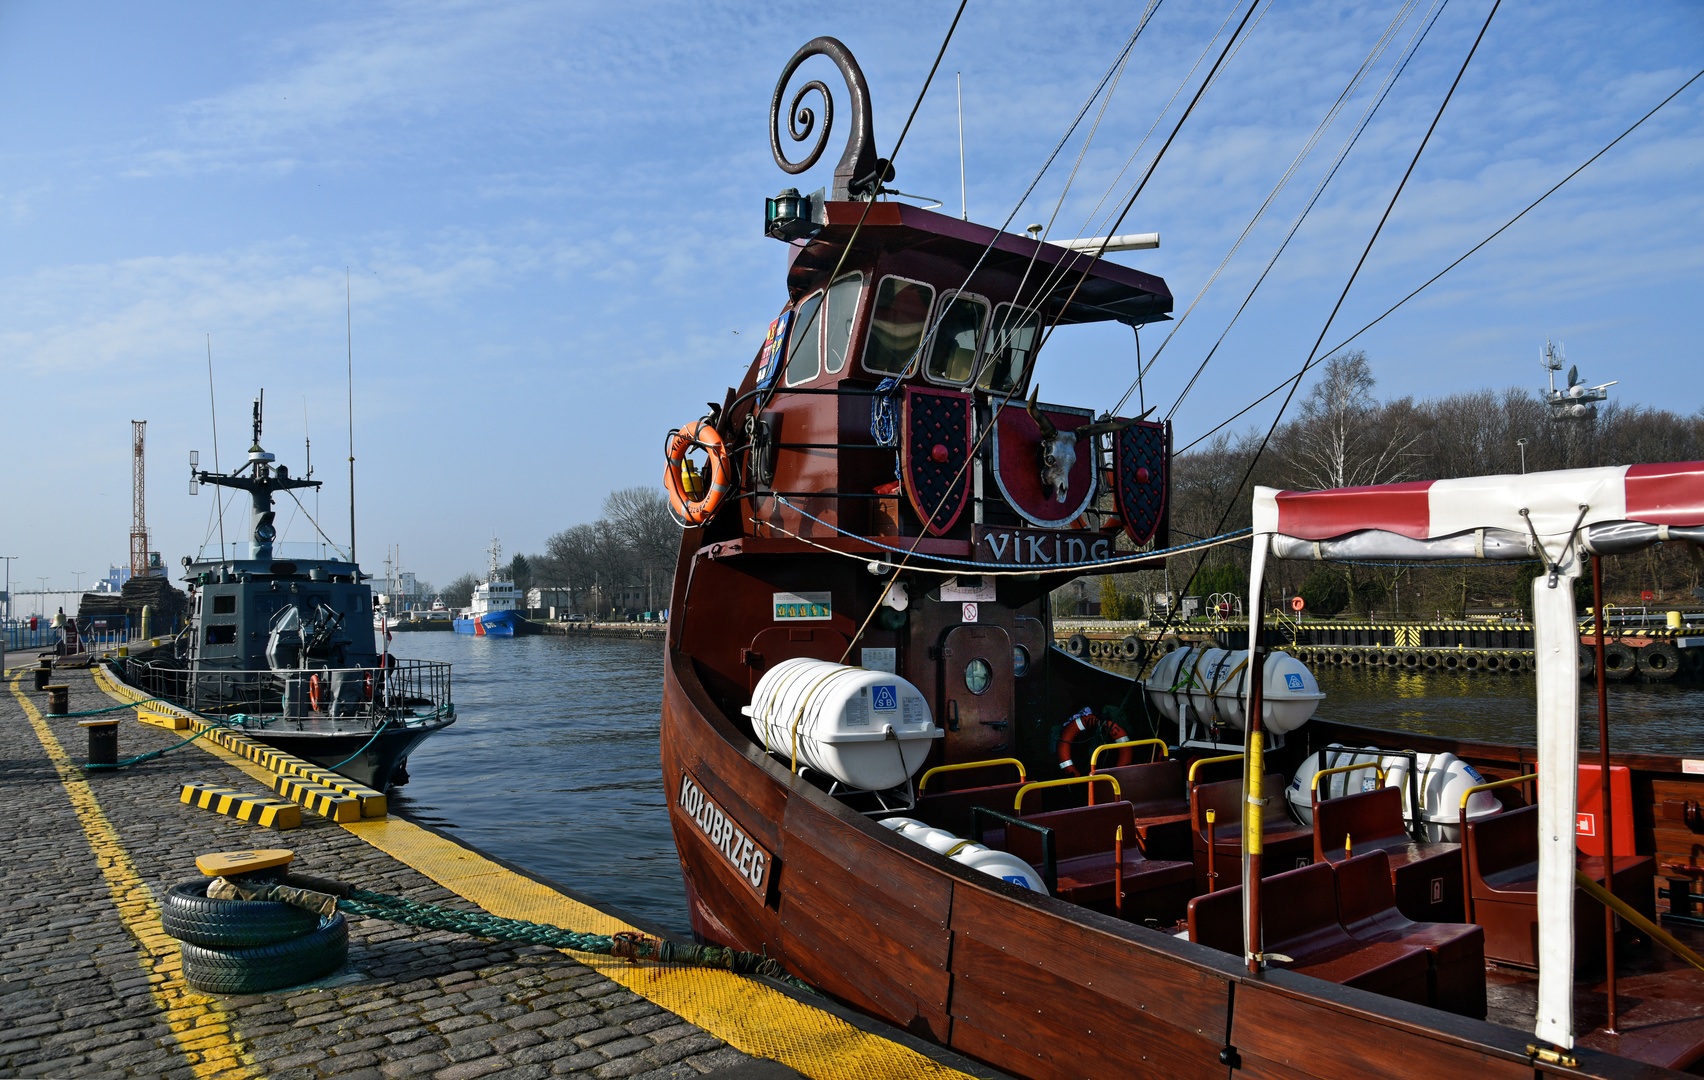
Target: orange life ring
1085,721
684,485
314,692
369,687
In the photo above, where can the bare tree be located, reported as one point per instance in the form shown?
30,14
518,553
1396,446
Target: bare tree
1344,437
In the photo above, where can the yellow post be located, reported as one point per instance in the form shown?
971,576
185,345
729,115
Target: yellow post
1674,620
147,620
1254,807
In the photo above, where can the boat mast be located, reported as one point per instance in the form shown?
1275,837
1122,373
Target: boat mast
349,339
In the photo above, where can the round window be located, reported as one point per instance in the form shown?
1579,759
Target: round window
1020,661
977,676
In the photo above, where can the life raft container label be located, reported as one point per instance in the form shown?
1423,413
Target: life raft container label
803,607
750,860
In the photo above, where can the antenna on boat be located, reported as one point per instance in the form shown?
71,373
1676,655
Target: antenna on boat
218,499
349,338
964,206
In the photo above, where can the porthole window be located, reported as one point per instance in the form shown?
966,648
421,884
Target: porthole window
1020,661
977,676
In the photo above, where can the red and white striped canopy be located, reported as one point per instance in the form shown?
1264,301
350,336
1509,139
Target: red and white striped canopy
1661,494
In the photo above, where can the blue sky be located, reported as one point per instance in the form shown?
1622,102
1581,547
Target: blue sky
550,213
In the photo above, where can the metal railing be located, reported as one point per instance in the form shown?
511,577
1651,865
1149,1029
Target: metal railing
398,692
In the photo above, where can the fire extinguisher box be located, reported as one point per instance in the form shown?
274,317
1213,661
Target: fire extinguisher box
1589,810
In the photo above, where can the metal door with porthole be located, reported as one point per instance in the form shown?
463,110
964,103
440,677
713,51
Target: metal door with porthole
976,692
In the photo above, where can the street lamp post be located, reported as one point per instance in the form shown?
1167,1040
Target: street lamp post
1522,444
9,559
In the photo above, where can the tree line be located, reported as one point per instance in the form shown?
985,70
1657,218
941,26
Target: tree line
622,561
1343,435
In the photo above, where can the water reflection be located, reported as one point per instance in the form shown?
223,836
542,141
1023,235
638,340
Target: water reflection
1654,718
552,764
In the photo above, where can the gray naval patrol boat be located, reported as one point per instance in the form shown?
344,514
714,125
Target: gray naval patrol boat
286,648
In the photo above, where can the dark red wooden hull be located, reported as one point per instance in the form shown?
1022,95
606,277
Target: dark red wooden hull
1029,984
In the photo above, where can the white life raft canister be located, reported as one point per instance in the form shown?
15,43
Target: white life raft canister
1214,682
1443,779
867,729
1001,864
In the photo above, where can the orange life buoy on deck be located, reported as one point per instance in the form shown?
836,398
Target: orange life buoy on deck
687,493
314,692
1085,721
369,686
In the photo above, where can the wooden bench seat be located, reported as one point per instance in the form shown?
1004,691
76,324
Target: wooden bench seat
1500,862
1156,794
951,810
1426,878
1287,843
1301,922
1367,908
1084,840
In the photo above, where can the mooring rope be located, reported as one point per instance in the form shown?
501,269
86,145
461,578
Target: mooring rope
633,946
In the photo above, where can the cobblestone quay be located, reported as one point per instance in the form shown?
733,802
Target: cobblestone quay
90,986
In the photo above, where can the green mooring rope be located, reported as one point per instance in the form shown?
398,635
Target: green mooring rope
115,708
633,946
213,724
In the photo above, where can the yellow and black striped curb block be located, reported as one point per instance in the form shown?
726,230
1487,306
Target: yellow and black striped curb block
160,719
327,802
372,803
263,810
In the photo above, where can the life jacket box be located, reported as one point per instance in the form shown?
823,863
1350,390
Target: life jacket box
870,730
1001,864
1589,810
1196,688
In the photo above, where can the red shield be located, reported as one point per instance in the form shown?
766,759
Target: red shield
935,449
1017,465
1141,477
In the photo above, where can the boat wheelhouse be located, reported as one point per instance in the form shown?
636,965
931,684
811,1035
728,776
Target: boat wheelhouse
882,773
494,610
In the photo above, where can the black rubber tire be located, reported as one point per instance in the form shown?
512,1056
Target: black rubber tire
1410,660
1619,662
1077,645
1493,662
268,967
189,915
1659,661
1130,648
1430,661
1588,661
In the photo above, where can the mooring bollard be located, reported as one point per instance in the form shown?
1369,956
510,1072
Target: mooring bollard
103,740
58,700
41,677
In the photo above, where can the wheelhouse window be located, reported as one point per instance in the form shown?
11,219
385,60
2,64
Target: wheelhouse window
1012,340
952,352
842,314
804,351
896,328
221,635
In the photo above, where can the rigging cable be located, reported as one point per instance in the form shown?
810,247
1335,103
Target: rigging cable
1297,380
1464,257
1348,91
983,435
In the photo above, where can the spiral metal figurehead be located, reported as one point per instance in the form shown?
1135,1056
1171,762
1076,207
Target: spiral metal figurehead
859,172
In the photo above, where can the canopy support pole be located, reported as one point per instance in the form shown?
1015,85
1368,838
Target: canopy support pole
1254,770
1603,784
1556,649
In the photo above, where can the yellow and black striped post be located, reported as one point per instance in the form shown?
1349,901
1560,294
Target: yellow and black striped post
262,810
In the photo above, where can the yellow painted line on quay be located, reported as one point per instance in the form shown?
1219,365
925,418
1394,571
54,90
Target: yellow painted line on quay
202,1030
747,1014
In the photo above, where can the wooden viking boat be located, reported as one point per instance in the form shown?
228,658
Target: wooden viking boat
881,772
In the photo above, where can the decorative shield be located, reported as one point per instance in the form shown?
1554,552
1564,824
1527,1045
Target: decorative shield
1141,477
1017,465
935,448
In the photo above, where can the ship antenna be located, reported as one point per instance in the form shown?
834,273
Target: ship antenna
349,332
218,498
964,206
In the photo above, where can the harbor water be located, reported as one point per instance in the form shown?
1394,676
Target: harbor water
552,763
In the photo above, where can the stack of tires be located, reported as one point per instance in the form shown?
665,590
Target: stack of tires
250,946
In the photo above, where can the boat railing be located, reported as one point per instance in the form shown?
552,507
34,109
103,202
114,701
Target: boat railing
398,691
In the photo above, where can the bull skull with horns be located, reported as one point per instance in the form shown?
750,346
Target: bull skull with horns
1058,449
